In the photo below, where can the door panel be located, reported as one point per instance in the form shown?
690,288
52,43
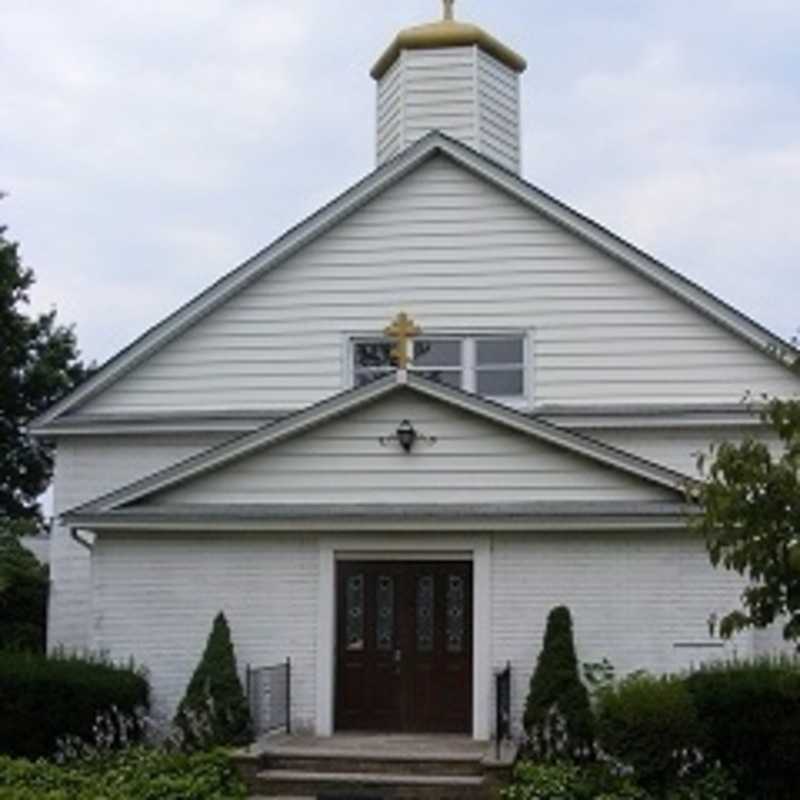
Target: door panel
404,646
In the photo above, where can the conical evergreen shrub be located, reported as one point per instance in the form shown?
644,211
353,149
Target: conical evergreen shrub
214,710
558,716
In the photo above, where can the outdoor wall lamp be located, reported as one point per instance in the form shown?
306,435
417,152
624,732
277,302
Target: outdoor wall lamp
406,436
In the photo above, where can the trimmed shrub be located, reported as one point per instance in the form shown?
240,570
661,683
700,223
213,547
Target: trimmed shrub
650,725
44,700
558,717
751,711
215,710
136,774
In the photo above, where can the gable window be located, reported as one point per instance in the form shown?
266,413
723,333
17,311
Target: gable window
492,365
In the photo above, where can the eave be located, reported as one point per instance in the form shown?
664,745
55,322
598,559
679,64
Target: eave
592,516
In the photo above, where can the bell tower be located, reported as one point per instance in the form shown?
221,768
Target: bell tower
453,77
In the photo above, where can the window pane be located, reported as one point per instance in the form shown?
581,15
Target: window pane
437,353
501,382
500,351
365,376
372,354
447,377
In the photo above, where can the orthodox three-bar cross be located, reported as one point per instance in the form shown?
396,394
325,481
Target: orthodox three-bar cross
402,330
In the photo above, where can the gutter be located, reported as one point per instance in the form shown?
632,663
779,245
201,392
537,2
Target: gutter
76,537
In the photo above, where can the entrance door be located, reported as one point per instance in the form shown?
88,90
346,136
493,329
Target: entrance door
404,647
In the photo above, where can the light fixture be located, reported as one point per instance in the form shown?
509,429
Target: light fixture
407,436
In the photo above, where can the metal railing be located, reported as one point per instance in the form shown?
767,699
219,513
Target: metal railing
502,698
269,693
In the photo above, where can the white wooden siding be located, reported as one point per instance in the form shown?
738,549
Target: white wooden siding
498,112
389,112
460,256
473,461
85,468
156,597
460,91
676,447
633,598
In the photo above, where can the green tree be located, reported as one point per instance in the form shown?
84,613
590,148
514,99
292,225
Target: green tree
750,517
39,365
558,716
214,710
23,596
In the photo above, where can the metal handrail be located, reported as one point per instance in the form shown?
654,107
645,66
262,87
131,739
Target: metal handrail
502,684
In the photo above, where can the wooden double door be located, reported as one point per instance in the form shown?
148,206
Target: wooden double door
404,647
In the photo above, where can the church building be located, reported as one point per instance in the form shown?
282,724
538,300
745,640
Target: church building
388,444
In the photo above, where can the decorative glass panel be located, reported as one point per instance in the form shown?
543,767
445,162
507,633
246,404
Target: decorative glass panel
425,614
437,353
455,614
497,352
384,635
501,382
354,608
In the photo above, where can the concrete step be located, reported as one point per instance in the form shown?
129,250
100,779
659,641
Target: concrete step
388,786
396,764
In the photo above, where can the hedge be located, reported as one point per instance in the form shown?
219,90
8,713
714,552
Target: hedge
136,774
751,712
650,725
43,700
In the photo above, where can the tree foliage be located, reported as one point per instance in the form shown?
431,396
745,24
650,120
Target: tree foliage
558,717
215,710
750,518
23,597
39,365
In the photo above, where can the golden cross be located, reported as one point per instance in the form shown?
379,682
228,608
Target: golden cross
403,329
448,8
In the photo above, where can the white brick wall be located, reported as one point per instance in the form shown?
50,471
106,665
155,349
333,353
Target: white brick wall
156,597
633,597
85,468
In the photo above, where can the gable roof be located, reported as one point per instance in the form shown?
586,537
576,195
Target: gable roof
332,408
435,143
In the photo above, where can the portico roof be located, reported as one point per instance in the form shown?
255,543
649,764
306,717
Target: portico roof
125,505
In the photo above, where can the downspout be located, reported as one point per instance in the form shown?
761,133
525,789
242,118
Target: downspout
76,537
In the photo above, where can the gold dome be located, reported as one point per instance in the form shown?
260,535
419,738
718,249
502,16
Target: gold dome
447,33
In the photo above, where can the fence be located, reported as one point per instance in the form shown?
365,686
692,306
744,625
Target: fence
269,693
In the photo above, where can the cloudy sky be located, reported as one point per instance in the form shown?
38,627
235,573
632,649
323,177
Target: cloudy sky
148,146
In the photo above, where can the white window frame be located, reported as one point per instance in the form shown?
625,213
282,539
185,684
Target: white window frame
468,356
